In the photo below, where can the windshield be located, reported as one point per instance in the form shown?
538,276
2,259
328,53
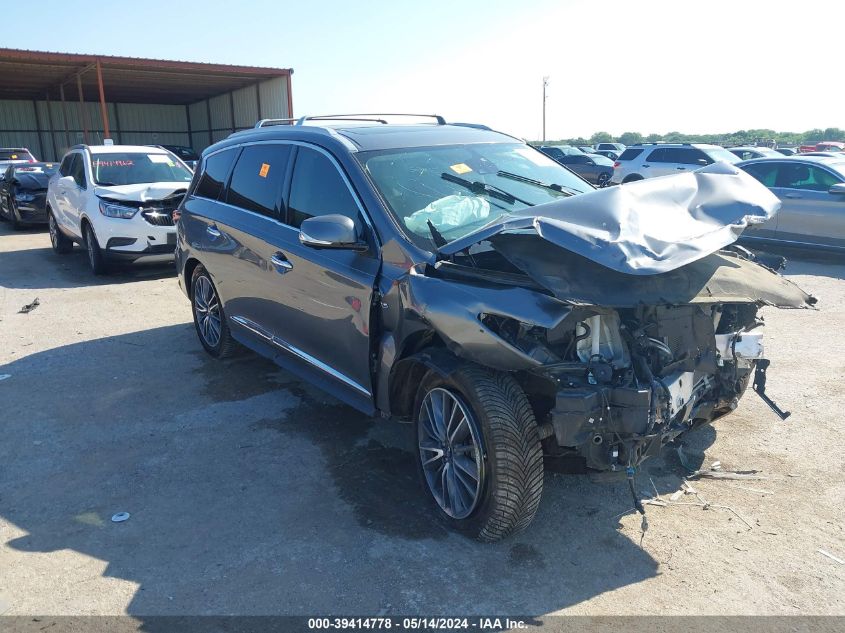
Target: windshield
439,194
721,154
135,168
15,154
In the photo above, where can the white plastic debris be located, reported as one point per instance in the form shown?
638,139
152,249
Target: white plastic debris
831,556
120,517
4,376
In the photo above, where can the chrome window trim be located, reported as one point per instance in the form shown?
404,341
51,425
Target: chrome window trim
255,328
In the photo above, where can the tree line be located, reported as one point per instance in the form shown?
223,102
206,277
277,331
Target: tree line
741,137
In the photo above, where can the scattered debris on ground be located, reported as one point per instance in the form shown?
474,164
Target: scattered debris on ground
831,556
120,517
29,307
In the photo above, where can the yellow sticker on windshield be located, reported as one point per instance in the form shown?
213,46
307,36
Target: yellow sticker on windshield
265,169
460,168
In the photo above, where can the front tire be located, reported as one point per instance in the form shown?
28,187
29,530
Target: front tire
479,454
62,244
209,318
95,255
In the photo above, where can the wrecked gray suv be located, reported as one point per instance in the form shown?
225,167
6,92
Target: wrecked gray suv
457,278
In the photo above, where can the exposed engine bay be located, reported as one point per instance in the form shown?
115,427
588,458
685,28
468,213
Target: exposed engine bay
617,385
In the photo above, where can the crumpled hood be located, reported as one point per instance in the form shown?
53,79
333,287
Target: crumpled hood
646,227
143,192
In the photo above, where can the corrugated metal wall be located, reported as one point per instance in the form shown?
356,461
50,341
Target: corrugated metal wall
142,124
214,119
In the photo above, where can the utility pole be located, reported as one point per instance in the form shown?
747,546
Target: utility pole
545,83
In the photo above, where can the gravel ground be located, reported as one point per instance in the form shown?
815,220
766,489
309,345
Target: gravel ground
253,493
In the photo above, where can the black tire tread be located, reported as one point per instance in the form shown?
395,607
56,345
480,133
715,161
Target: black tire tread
515,445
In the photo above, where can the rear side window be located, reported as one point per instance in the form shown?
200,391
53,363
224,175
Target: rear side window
766,173
630,154
687,156
660,155
256,183
214,174
319,189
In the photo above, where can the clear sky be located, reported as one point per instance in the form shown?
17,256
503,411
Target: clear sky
613,65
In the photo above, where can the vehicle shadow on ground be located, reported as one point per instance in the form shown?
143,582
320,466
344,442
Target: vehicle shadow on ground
251,492
70,270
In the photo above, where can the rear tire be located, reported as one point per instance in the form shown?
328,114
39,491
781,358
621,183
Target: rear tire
95,254
491,412
62,244
602,180
209,318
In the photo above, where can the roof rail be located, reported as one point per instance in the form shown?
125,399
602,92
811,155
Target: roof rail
271,122
372,117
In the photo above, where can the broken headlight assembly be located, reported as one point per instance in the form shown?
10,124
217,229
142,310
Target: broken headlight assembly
112,210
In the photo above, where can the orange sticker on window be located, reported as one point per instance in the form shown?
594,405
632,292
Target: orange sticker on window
265,169
460,168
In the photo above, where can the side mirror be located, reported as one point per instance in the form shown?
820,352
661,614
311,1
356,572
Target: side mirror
331,231
67,181
703,161
838,189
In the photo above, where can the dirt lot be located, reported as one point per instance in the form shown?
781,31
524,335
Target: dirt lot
252,493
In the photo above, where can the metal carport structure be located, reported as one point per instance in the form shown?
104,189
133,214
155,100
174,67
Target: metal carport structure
50,101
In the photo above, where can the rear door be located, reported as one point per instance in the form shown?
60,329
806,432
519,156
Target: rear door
810,213
658,163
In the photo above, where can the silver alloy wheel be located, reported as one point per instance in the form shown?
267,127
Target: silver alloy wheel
54,231
450,453
207,311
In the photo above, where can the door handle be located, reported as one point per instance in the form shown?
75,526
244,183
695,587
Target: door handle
281,263
646,165
793,195
212,230
681,168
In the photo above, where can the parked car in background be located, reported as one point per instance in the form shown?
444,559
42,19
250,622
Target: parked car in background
591,167
186,154
610,147
830,146
449,277
23,193
647,160
586,149
557,152
15,155
118,202
614,156
786,151
824,154
812,192
747,153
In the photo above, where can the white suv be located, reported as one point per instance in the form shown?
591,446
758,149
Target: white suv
647,160
118,202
